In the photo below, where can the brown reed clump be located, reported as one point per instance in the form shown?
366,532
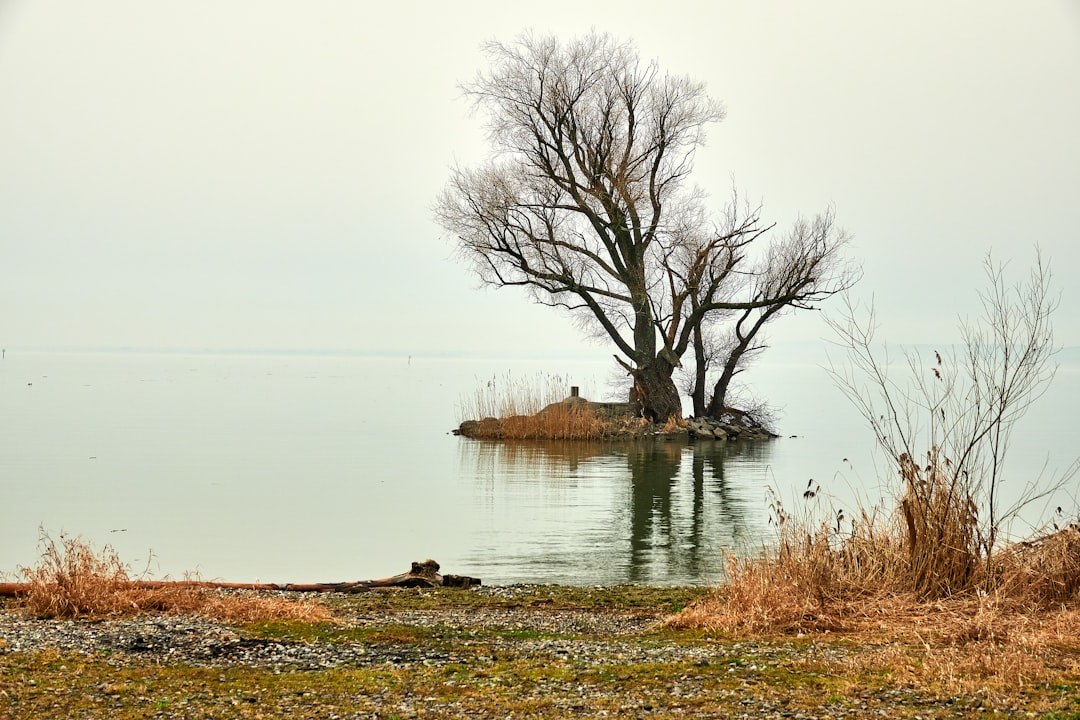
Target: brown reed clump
830,576
555,422
940,530
533,409
71,580
1044,571
509,396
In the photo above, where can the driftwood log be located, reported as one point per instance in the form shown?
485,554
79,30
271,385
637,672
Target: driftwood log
421,575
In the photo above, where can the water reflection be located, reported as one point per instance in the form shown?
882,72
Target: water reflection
641,512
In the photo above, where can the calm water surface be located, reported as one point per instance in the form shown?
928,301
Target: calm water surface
297,468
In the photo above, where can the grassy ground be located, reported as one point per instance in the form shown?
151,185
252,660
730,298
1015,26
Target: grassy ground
443,657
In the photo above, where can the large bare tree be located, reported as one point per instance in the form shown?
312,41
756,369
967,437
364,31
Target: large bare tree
585,203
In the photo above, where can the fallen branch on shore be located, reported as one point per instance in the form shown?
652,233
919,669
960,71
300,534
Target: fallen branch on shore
421,575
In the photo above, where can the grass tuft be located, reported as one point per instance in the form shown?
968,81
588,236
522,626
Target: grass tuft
537,409
72,580
511,396
826,576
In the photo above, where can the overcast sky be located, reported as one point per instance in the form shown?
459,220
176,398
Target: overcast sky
232,174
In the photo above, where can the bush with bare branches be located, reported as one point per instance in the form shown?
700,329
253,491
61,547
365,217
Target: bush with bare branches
945,434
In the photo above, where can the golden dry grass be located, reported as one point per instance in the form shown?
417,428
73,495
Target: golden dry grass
1043,571
812,584
71,580
929,547
512,408
967,645
511,396
917,585
916,582
970,644
556,422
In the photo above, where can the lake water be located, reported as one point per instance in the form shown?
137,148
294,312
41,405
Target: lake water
310,468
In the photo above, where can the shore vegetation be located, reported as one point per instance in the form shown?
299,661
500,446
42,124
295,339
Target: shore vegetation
540,407
72,579
536,651
934,557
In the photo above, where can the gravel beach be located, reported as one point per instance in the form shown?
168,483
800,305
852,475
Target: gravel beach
490,652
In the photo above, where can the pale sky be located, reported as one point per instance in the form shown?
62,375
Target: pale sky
236,174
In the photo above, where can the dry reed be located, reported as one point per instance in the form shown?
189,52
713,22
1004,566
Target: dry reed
555,422
72,580
510,396
972,642
534,409
918,588
832,575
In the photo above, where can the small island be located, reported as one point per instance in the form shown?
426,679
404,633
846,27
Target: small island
576,418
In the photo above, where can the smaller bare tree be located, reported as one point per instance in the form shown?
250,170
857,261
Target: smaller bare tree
805,268
946,430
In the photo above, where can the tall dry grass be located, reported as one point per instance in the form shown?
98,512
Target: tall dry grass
72,580
827,572
1019,627
508,396
532,408
556,422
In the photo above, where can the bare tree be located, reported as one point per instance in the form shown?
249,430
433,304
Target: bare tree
805,268
585,204
946,430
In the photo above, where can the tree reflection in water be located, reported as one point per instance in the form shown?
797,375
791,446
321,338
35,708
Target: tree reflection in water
646,511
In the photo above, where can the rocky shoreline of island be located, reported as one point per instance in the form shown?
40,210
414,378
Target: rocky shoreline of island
615,420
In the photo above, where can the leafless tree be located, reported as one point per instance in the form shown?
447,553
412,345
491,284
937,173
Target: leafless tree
805,268
585,203
946,429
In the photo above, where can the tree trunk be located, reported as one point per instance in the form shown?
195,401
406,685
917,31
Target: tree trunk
731,366
700,368
654,391
719,397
